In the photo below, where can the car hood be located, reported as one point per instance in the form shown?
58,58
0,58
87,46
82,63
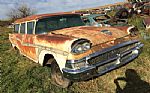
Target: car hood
96,35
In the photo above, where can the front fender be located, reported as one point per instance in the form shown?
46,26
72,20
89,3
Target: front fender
55,41
60,59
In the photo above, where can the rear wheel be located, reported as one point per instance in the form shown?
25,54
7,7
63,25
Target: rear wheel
57,77
122,14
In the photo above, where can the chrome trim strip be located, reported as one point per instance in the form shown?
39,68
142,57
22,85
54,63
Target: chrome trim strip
113,47
103,51
77,71
44,47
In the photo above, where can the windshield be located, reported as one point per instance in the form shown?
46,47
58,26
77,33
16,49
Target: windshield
58,22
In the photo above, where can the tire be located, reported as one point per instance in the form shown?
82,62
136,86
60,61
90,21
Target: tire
57,77
122,14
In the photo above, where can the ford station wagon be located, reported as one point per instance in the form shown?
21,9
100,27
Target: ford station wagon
73,50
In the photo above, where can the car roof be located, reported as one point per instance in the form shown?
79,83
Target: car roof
94,15
40,16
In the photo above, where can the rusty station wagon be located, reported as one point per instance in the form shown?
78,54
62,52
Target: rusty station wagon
76,52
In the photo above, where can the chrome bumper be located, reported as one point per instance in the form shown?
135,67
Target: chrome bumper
101,68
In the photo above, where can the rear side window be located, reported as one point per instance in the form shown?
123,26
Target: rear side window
16,28
22,28
30,27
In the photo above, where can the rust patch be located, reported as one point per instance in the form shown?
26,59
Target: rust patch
28,38
93,34
29,51
52,38
123,28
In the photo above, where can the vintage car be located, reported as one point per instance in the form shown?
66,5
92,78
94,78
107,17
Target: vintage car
100,20
74,51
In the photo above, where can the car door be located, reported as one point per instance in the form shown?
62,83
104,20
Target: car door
29,47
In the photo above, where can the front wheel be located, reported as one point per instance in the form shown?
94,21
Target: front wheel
57,77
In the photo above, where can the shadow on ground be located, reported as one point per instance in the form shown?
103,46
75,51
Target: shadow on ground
134,84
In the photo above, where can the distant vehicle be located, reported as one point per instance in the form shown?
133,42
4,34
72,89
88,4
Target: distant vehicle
74,51
100,20
96,20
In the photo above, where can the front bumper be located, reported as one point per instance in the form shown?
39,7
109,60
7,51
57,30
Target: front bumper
100,68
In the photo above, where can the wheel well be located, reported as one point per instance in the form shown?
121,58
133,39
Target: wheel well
46,58
15,47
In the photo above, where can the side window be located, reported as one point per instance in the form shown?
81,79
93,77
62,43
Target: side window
16,28
30,27
22,28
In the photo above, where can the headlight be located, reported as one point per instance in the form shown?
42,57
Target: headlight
80,46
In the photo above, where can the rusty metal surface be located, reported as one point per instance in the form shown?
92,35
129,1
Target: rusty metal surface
93,34
123,28
59,42
98,39
23,42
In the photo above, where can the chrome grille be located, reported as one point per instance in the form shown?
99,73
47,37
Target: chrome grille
110,54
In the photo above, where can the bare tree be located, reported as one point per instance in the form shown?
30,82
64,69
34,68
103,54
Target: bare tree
20,12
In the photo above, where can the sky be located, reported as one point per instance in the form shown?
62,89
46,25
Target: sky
52,6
